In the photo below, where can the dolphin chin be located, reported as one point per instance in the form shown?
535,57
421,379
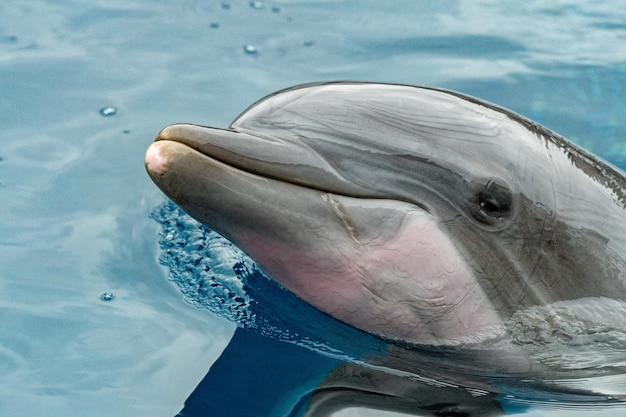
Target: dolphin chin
411,213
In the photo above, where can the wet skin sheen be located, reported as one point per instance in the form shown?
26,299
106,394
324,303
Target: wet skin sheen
412,213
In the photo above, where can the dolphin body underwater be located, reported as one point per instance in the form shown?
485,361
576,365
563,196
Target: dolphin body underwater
418,215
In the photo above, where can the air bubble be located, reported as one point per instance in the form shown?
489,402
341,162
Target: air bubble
250,49
107,296
108,111
257,5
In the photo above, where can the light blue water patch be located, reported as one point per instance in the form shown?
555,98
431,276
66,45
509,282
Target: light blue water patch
75,199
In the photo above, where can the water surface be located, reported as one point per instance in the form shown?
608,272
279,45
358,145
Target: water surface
78,209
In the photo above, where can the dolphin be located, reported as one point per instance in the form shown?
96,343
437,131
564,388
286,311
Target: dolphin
416,214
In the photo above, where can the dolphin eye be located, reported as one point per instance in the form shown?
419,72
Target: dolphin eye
493,203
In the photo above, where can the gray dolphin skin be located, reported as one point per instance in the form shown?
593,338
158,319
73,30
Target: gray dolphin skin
415,214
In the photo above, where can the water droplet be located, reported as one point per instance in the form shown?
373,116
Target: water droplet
214,25
226,6
107,296
250,49
108,111
308,43
257,5
126,131
276,9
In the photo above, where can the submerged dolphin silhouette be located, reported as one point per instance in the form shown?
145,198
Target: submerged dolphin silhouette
415,214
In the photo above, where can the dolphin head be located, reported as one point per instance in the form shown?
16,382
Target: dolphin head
412,213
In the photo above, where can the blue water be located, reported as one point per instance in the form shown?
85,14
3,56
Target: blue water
85,86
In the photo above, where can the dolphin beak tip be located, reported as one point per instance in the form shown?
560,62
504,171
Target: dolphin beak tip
154,161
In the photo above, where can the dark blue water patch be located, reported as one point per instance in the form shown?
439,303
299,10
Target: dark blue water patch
281,315
283,379
9,39
90,16
583,103
474,46
610,25
274,377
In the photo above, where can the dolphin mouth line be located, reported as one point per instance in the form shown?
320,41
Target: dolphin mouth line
257,173
232,163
